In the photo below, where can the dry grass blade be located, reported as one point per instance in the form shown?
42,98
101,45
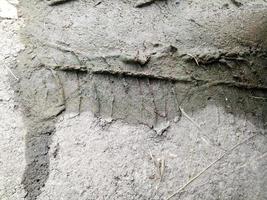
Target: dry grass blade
10,71
189,118
194,58
209,166
159,164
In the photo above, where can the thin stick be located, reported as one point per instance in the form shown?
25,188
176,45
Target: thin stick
10,71
189,118
209,166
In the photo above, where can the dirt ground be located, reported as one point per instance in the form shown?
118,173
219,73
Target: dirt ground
133,100
12,129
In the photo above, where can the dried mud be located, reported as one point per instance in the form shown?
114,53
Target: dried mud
137,64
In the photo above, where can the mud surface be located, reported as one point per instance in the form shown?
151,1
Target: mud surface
142,66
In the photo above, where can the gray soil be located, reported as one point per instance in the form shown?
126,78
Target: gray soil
132,99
